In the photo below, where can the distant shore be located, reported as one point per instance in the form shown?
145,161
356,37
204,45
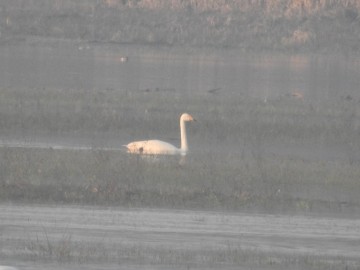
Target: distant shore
283,26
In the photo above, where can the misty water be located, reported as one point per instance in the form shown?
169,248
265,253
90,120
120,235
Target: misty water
223,74
78,66
297,79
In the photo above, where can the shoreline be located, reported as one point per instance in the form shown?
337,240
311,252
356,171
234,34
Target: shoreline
295,27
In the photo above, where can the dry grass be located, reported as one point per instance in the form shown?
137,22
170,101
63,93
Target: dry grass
297,25
64,249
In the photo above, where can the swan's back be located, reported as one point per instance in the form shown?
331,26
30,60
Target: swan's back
156,147
152,147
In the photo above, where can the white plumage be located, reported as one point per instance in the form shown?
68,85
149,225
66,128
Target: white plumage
157,147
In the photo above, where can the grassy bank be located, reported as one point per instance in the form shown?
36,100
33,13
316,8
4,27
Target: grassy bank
231,165
111,178
69,251
297,25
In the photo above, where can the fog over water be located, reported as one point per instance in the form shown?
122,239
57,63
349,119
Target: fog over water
317,78
313,80
272,176
275,134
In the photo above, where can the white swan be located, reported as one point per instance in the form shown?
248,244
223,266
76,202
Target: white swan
156,147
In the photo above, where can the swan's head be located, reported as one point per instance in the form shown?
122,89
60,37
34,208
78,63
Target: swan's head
187,117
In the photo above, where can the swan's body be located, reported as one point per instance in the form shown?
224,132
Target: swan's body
156,147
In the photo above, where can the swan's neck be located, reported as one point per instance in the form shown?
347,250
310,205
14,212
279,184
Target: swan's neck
184,144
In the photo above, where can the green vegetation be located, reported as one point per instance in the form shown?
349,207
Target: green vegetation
229,167
296,25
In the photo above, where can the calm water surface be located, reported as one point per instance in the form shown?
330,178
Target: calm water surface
73,66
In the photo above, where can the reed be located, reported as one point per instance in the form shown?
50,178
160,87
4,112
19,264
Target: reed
63,249
297,25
